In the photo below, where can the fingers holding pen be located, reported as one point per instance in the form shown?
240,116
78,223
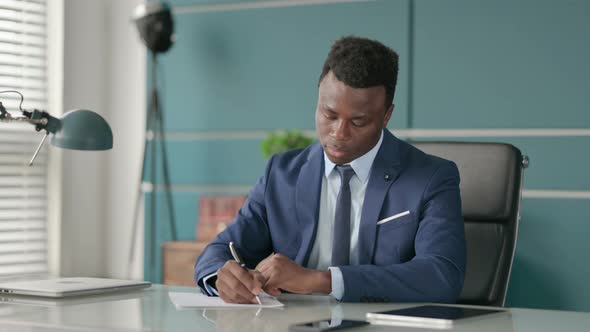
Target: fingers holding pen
258,281
230,296
236,284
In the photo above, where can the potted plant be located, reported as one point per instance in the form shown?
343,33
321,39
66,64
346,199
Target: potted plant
280,141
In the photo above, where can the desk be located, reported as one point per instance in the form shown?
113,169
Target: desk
151,310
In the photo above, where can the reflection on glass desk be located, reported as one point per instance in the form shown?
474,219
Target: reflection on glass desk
152,310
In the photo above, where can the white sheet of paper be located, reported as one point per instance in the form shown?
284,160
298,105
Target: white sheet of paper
198,300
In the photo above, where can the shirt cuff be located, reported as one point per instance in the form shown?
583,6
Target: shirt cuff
210,289
337,283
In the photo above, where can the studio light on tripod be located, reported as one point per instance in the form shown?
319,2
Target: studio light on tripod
156,29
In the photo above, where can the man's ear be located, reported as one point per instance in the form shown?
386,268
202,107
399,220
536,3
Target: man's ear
388,115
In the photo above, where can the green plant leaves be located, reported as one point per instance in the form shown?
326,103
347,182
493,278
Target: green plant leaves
281,141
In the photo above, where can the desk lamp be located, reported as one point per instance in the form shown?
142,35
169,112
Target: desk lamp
76,129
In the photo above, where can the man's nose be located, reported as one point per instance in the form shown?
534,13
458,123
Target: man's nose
341,130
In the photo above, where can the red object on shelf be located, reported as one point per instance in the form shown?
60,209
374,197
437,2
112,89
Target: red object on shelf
215,213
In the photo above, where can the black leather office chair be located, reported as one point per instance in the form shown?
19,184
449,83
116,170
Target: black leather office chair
491,184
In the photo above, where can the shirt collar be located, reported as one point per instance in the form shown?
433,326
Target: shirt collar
361,165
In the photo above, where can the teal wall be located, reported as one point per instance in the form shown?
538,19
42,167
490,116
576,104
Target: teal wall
464,64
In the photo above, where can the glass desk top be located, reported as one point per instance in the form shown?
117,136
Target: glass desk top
151,310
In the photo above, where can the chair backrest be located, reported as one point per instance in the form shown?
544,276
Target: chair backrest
491,184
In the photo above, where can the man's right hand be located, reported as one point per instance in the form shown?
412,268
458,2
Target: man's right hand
236,284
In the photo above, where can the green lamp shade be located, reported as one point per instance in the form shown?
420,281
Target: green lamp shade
82,130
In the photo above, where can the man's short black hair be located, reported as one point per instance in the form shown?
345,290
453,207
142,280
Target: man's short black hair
363,63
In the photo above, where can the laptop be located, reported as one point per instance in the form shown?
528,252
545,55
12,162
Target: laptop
65,287
41,301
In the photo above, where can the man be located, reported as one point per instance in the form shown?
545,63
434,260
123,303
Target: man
359,215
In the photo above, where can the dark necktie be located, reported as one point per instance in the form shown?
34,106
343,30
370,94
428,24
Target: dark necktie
341,242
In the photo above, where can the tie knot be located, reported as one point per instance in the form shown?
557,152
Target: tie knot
346,172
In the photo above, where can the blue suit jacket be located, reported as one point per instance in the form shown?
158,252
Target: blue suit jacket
419,257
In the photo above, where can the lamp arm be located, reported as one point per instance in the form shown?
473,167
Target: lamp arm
41,120
38,121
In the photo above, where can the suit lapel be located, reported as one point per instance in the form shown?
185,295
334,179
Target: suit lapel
307,201
385,170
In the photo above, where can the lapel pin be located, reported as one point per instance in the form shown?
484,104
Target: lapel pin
387,177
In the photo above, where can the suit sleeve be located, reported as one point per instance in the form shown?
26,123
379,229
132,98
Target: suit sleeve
437,271
249,231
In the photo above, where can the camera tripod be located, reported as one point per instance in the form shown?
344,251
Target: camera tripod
154,134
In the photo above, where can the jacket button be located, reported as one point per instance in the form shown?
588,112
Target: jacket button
364,299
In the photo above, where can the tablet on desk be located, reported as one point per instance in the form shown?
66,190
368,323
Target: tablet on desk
433,316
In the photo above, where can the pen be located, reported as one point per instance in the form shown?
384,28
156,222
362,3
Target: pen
238,258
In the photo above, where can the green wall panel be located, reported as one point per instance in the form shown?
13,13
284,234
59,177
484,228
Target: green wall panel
501,64
213,162
557,163
177,3
551,264
259,68
239,162
190,3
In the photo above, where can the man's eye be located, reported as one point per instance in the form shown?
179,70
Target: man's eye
358,124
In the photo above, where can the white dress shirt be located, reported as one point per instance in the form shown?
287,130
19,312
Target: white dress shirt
321,252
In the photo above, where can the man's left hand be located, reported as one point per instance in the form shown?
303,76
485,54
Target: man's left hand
282,273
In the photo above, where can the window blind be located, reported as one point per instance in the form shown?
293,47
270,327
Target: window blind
23,189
